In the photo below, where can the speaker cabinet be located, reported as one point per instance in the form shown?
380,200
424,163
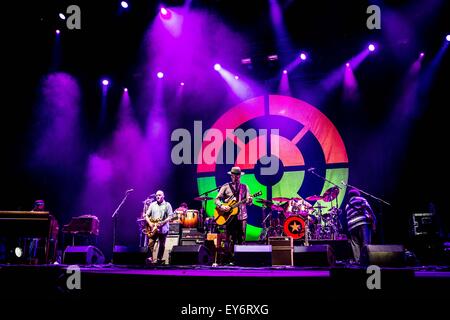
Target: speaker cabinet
171,241
190,255
129,255
383,255
83,255
341,248
253,255
282,251
317,255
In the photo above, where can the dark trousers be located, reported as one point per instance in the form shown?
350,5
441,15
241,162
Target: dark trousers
236,230
359,237
162,245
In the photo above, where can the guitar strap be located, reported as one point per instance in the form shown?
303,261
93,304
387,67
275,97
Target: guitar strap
235,192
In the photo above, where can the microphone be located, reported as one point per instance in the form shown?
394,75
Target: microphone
311,169
152,195
129,190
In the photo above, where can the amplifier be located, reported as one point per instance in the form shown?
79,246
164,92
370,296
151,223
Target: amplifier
191,241
175,228
192,233
282,251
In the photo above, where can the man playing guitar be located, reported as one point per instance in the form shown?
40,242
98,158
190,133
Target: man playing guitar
236,225
161,211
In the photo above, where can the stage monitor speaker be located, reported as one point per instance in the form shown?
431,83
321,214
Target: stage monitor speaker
341,248
383,255
316,255
129,255
190,255
253,255
83,255
171,241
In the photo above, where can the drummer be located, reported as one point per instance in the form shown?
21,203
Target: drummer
299,206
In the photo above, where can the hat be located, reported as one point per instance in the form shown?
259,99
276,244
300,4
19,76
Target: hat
236,171
354,192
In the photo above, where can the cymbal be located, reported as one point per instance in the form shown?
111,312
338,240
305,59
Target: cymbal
330,194
281,199
203,198
275,207
314,198
269,204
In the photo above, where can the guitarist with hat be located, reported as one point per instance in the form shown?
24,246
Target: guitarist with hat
235,190
158,216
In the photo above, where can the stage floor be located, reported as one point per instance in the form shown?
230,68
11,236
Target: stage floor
203,283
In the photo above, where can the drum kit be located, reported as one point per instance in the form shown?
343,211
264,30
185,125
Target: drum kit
297,218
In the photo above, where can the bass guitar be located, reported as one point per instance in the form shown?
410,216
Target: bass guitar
154,226
221,216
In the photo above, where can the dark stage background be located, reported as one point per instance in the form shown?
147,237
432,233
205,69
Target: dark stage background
64,141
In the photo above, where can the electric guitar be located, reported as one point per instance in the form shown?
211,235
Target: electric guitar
154,227
221,217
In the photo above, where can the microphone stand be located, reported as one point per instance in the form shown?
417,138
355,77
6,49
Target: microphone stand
203,210
114,217
379,201
324,179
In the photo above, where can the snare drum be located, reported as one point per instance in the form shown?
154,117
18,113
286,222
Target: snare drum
190,219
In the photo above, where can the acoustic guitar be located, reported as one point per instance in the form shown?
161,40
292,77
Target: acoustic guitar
221,217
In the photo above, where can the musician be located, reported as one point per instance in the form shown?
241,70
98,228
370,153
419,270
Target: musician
39,205
237,224
158,210
361,222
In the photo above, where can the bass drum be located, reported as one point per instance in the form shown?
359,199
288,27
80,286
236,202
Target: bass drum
294,227
190,219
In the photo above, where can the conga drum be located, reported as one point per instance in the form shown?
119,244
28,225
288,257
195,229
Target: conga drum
190,219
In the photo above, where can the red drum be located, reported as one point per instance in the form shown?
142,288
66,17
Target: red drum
190,219
294,227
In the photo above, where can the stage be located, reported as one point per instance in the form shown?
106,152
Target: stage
222,284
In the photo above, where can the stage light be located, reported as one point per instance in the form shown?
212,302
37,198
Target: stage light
217,67
160,75
105,82
303,56
246,61
125,89
284,71
371,47
272,57
165,14
18,252
124,4
236,77
347,65
182,84
447,38
422,54
62,16
58,32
